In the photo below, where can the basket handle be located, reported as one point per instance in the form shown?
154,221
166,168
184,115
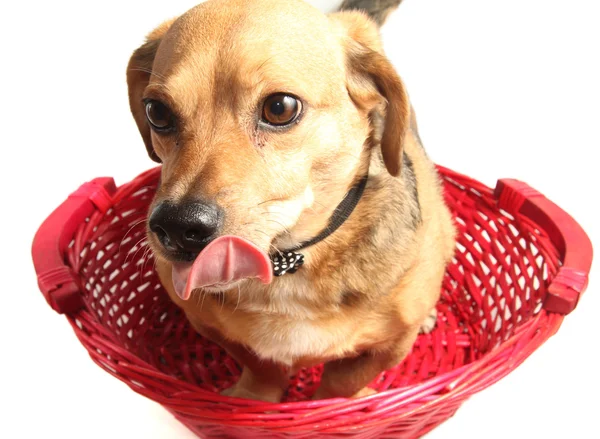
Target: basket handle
567,235
57,282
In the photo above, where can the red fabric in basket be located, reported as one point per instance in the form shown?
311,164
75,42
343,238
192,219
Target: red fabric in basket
491,318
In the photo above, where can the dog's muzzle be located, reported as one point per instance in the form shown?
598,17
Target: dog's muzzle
184,229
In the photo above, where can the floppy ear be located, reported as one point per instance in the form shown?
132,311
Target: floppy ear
374,85
139,70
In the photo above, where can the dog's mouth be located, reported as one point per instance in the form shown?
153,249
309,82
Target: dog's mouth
223,264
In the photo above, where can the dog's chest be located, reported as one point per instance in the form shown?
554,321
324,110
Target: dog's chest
286,342
286,328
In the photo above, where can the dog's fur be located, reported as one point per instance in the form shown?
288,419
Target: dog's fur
377,10
363,294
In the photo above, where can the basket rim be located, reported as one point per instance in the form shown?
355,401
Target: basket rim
449,384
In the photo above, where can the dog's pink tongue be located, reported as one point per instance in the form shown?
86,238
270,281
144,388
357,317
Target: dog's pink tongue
225,260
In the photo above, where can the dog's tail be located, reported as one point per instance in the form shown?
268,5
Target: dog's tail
378,10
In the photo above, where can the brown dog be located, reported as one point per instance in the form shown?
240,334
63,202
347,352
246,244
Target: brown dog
286,136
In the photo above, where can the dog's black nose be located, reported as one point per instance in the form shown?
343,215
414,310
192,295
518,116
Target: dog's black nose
186,227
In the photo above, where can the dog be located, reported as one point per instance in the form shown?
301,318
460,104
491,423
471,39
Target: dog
298,219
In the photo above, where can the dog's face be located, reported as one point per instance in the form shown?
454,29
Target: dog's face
262,115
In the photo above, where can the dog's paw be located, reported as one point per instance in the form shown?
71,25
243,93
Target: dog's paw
366,391
236,391
321,394
429,323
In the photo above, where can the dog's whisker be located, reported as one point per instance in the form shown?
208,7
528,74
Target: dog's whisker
203,294
239,297
137,223
276,199
252,223
267,235
136,247
143,262
320,204
277,217
270,245
286,230
266,61
269,201
223,301
131,256
147,256
276,249
273,213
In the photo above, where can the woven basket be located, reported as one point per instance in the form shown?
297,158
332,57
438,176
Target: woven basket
520,266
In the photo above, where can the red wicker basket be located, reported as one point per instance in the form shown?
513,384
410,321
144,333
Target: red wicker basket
520,266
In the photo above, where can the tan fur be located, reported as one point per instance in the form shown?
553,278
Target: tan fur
365,291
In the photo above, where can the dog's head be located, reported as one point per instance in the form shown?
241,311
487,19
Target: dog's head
263,115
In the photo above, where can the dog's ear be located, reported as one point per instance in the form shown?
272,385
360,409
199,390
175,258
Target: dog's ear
139,70
374,85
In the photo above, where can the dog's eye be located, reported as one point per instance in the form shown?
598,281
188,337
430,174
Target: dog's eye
159,116
280,109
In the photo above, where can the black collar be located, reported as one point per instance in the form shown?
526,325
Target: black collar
288,261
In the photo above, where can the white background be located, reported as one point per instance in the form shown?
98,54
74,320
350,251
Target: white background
502,89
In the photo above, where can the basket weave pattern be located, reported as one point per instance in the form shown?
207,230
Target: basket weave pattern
490,319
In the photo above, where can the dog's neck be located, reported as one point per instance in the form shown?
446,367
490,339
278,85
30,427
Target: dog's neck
352,264
290,260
